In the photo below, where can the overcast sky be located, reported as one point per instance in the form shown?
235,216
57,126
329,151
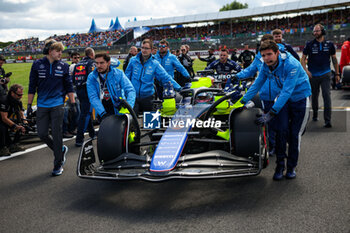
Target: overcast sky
41,18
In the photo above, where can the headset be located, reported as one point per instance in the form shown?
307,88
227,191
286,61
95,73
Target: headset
323,31
48,46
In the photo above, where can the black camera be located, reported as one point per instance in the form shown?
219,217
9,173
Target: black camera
3,78
8,75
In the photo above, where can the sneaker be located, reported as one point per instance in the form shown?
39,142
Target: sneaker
57,170
67,135
272,152
4,151
278,173
15,148
78,144
64,152
291,173
328,125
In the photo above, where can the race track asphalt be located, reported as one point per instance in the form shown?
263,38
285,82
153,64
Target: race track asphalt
316,201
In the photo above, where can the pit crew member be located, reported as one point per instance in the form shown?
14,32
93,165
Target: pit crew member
169,62
289,113
141,71
318,53
80,75
106,84
211,57
224,65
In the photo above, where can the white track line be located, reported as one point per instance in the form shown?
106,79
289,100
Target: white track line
37,148
29,150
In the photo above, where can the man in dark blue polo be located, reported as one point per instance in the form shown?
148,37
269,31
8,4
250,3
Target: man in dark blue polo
224,65
317,53
49,78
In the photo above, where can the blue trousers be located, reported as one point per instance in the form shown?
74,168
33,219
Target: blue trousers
85,122
289,125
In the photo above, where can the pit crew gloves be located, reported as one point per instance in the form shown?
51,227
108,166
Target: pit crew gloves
264,118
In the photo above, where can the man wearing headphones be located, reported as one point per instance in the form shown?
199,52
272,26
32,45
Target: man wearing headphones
317,53
49,77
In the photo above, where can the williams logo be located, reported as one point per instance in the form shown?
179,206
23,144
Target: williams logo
151,120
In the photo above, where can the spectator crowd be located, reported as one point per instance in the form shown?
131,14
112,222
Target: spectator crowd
337,18
76,40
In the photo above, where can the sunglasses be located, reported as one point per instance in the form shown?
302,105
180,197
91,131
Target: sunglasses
162,46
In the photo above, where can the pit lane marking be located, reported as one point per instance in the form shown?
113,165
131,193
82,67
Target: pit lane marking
35,148
29,150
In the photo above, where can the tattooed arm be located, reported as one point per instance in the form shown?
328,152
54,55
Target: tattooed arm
336,68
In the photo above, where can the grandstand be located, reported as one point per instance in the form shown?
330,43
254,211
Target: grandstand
201,31
235,27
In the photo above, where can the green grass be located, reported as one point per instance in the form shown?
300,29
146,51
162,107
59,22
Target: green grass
20,75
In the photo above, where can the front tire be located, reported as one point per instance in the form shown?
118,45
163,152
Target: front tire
111,140
245,134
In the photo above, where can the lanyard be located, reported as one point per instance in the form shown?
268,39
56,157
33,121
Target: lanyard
103,84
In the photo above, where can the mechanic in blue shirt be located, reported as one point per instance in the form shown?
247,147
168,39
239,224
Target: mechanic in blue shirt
106,85
277,37
289,113
49,77
267,96
80,75
224,65
141,71
317,53
169,63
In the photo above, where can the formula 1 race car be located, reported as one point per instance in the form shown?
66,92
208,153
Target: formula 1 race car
205,132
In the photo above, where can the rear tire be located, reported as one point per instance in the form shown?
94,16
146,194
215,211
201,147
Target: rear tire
245,134
111,138
346,74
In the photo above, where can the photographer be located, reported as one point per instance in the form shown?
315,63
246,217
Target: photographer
12,119
4,77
